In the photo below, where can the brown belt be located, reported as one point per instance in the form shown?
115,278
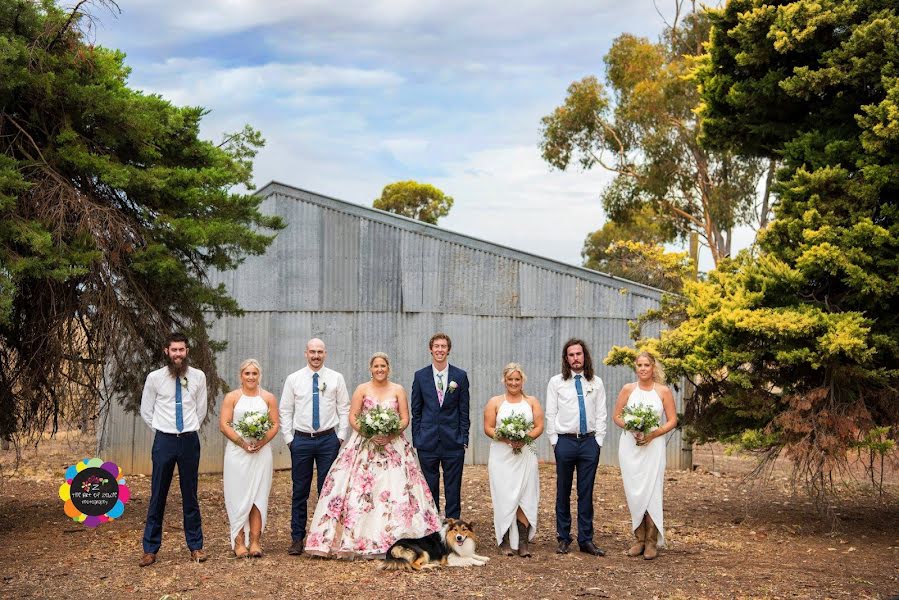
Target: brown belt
316,434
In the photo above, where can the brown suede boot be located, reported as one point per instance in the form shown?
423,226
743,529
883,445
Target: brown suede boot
652,538
504,547
255,547
240,549
523,531
640,533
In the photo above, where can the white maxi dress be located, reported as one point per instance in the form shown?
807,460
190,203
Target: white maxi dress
514,480
246,476
643,467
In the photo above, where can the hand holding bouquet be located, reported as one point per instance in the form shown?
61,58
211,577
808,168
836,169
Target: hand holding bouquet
514,429
253,426
378,422
640,419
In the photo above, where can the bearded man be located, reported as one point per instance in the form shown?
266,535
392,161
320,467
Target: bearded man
174,406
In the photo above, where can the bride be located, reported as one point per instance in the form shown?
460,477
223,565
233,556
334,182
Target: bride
374,493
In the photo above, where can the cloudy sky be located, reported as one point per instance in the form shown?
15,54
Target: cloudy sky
354,95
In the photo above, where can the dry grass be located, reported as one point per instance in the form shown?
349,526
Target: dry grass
728,538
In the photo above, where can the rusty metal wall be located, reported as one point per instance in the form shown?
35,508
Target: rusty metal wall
364,280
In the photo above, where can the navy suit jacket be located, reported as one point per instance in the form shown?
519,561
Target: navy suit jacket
438,428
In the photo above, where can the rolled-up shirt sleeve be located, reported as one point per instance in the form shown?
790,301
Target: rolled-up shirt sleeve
148,401
601,412
552,408
285,410
343,408
202,399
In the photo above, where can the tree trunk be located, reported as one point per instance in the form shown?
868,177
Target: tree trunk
766,197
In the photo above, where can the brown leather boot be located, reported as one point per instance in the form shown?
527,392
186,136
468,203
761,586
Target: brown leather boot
504,547
652,538
240,549
640,533
255,546
523,539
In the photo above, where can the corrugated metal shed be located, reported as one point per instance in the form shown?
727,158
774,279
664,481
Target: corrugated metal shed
365,280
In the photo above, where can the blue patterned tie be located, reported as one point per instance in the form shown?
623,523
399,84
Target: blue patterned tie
315,421
179,408
580,403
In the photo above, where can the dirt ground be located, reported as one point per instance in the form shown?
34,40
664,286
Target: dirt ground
728,537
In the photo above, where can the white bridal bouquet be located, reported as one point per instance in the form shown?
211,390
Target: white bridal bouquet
514,428
378,420
253,425
640,418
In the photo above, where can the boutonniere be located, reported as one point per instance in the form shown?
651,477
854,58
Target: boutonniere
452,387
323,387
589,389
184,381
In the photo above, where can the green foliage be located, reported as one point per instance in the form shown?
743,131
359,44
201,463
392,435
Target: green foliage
641,125
415,200
602,251
649,263
112,213
800,342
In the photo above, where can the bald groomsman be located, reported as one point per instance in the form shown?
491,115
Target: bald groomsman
314,410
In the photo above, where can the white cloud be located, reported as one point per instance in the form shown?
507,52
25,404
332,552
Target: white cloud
206,82
353,95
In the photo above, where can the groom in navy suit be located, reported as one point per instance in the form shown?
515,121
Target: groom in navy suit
440,423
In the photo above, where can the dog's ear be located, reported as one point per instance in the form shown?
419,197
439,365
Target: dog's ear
449,522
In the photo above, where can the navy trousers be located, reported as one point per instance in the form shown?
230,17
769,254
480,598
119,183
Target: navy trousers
184,451
581,455
451,462
304,452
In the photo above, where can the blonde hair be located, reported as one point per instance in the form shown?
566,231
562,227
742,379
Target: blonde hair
511,368
250,362
658,375
383,355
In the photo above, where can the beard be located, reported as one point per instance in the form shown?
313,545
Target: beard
176,371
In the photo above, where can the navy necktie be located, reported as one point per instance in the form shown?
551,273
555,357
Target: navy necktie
315,417
179,408
580,403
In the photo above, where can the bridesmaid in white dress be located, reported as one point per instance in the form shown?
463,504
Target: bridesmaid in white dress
247,473
642,456
514,478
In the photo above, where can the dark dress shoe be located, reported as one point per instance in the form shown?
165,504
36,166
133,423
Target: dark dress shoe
590,548
296,548
563,547
198,555
148,559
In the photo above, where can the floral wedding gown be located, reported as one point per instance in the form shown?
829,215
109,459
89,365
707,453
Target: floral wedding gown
371,498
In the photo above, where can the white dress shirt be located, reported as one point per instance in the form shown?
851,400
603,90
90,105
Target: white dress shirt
157,405
295,408
445,374
563,413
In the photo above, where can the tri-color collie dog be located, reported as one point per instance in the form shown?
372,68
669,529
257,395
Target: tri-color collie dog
454,545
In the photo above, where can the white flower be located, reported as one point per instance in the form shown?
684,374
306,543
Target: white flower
452,386
323,386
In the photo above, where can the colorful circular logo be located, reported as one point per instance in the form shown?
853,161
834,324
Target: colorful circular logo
94,492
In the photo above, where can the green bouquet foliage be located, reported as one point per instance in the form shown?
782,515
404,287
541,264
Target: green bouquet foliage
640,417
253,425
515,428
